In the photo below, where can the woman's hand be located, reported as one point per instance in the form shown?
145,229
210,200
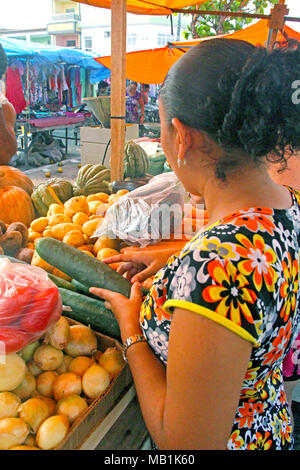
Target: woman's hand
126,311
138,267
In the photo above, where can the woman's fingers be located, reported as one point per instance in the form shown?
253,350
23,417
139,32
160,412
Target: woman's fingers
143,275
105,294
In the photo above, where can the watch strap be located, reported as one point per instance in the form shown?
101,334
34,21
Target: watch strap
130,341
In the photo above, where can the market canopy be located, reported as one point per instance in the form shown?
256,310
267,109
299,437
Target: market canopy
144,7
141,66
43,53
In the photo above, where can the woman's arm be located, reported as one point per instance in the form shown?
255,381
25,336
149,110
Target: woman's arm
141,101
192,403
8,141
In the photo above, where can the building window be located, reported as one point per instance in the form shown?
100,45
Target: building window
88,44
131,39
163,39
71,43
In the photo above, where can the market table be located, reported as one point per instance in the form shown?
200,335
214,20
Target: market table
69,121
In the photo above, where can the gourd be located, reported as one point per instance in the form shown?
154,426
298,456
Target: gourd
10,176
92,179
56,191
15,206
136,161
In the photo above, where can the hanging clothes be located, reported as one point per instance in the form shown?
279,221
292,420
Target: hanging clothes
14,89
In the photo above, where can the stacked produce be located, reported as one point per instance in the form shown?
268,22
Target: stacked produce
136,161
47,386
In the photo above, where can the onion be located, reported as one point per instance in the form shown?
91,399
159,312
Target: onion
50,402
71,406
112,361
52,432
27,352
80,364
26,387
30,440
34,411
47,357
97,355
12,372
64,365
82,341
24,447
67,384
33,368
58,334
9,404
13,431
95,381
45,381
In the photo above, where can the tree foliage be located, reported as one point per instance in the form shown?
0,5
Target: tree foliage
203,26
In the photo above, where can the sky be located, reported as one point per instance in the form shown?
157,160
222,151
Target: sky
34,13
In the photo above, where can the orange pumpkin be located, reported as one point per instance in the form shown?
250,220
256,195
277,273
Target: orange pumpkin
10,176
15,206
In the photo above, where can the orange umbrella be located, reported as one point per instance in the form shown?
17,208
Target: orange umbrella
152,65
147,7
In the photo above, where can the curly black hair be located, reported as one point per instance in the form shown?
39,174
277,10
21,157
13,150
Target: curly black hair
241,96
3,61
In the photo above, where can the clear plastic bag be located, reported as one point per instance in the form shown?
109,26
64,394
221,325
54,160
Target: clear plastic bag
29,304
148,214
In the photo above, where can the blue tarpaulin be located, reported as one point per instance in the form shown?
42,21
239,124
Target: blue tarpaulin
41,53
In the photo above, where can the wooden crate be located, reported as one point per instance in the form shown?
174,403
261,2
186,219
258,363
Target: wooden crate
101,406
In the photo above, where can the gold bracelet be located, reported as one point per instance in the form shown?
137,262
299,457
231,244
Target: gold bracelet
129,342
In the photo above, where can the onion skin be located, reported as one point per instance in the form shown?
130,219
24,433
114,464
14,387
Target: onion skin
9,404
95,381
52,432
34,411
82,341
26,387
58,334
45,382
47,357
12,372
28,351
24,447
13,432
112,361
72,406
67,384
80,364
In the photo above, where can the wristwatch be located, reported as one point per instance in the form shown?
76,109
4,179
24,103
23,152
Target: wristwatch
129,342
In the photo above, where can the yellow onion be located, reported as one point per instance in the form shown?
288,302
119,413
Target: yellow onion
33,368
58,334
30,440
47,357
26,387
64,365
34,411
80,364
95,381
13,431
71,406
45,381
12,372
67,384
97,355
50,402
24,447
27,352
9,404
82,341
52,432
112,361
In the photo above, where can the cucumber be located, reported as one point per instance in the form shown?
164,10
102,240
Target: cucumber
91,312
82,289
78,265
59,282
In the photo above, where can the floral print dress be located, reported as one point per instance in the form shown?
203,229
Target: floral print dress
243,273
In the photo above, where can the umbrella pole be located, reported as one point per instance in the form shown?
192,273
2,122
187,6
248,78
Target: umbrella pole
118,82
276,23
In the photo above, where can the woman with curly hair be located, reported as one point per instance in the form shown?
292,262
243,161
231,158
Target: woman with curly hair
206,346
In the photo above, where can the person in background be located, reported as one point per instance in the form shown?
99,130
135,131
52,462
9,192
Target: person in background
103,88
134,101
145,91
206,346
8,140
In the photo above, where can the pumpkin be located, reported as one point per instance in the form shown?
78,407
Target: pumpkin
55,191
136,162
92,179
15,206
10,176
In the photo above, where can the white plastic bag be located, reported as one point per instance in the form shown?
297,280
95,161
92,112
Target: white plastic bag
148,214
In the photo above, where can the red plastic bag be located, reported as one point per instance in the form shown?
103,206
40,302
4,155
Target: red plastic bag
29,304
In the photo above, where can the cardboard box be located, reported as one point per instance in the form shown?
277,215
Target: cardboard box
95,141
101,406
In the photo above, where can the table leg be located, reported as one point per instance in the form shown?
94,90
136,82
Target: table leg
66,140
26,147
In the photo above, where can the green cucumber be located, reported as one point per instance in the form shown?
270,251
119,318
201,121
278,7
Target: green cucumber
82,289
78,265
91,312
59,282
